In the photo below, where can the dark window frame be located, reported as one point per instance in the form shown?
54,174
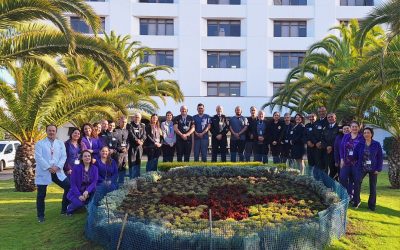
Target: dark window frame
291,2
232,24
84,25
357,3
156,1
219,54
217,86
156,54
290,56
300,25
158,22
276,86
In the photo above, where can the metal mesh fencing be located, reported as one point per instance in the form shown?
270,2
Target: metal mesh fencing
116,230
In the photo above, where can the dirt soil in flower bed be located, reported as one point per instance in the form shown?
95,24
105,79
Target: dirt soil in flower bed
184,203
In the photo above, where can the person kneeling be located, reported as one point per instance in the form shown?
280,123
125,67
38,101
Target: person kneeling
83,183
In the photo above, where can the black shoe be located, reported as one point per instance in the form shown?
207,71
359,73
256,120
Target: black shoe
371,208
41,219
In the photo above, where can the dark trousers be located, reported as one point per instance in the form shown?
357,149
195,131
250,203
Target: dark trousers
348,176
153,154
218,147
121,175
249,149
261,152
183,149
311,154
320,159
372,189
276,153
285,152
41,195
168,153
135,159
237,148
330,162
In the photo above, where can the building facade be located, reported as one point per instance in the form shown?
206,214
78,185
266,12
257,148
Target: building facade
226,52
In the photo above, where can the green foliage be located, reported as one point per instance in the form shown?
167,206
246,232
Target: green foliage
388,144
165,166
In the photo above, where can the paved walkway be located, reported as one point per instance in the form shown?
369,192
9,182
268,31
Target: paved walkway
6,174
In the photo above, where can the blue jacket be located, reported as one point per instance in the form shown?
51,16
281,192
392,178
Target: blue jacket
376,158
109,172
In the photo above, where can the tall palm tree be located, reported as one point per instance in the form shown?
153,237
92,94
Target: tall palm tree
385,113
311,83
36,99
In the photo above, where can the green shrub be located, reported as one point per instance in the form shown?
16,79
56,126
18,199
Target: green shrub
165,166
387,144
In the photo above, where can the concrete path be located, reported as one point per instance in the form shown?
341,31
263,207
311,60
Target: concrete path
7,174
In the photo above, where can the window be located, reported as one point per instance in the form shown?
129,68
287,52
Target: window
276,87
79,25
9,149
156,27
290,28
160,57
222,59
95,0
223,89
357,2
230,2
290,2
156,1
287,60
223,28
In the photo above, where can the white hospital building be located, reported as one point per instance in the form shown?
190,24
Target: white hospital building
227,52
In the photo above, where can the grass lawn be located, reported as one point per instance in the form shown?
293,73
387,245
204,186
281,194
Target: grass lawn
19,228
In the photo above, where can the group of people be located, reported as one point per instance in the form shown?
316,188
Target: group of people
98,155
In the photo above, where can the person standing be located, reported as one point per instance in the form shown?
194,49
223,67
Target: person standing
184,128
89,141
296,139
261,143
238,125
50,157
219,129
202,124
285,140
83,183
336,150
320,154
107,137
168,146
348,170
251,134
153,143
274,133
107,170
121,135
369,161
311,140
136,138
73,150
328,140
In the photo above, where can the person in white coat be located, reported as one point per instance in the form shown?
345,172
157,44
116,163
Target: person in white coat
50,156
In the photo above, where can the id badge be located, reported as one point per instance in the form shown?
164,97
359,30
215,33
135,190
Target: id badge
76,162
185,128
136,130
368,162
351,152
110,144
123,144
286,141
309,129
319,127
291,132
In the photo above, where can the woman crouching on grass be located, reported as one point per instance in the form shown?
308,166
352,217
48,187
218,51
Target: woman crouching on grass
83,183
369,161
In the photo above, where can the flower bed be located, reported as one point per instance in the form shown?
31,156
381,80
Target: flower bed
251,205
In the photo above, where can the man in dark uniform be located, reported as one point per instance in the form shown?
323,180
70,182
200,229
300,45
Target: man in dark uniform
184,128
121,135
311,140
251,134
284,139
274,133
261,143
328,142
107,138
320,152
219,129
136,138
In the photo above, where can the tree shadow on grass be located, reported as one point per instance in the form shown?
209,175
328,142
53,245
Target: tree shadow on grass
380,210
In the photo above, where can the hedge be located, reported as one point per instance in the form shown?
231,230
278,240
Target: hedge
165,166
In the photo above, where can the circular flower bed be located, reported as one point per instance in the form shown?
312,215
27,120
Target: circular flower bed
226,202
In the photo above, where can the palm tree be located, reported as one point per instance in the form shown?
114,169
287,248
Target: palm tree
385,113
311,83
36,99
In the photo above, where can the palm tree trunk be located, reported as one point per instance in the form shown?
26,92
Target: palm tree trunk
24,167
394,164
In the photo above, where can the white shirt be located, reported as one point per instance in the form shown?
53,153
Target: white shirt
48,154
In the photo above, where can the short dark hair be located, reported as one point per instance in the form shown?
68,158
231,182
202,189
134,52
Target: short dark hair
370,130
86,151
169,112
110,121
200,105
73,130
51,125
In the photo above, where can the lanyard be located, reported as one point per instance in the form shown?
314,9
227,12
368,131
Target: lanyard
90,142
52,149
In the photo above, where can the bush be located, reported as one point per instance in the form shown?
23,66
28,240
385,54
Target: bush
388,144
165,166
